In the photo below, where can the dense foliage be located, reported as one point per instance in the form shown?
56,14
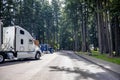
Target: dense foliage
68,24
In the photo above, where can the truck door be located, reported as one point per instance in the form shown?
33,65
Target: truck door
30,45
21,43
31,48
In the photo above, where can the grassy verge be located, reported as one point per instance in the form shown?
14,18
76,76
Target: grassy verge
105,57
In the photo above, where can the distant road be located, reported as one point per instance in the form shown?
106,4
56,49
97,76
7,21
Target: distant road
62,65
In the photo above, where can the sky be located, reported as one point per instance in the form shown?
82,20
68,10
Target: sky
49,1
59,0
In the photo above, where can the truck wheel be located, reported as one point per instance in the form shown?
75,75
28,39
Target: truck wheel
37,56
2,58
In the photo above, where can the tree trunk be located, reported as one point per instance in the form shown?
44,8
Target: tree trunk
117,36
100,26
83,32
108,30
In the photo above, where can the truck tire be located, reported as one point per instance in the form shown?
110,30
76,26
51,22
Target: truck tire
1,58
37,56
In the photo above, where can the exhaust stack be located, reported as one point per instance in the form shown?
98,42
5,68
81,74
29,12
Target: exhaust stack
1,33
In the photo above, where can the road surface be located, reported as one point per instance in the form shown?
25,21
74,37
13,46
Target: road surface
62,65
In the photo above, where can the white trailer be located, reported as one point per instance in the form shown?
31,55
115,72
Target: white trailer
17,43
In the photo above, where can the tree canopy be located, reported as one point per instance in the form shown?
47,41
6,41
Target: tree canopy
68,24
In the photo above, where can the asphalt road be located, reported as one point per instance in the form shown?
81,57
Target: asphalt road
62,65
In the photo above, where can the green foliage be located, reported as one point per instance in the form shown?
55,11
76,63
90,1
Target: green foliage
74,26
114,7
7,12
105,57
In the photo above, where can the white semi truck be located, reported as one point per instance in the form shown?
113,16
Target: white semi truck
17,43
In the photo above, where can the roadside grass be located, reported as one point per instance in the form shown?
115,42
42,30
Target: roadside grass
105,57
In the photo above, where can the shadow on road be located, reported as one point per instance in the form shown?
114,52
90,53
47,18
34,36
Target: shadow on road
13,62
82,73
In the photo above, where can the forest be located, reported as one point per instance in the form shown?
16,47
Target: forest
68,24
